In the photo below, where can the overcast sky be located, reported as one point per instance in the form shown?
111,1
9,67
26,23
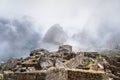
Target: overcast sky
68,13
99,18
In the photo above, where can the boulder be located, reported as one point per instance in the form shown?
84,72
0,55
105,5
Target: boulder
59,64
65,48
39,52
45,63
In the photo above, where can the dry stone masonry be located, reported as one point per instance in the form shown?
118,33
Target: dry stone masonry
63,64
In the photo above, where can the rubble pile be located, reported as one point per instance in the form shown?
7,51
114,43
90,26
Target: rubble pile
61,64
114,66
42,59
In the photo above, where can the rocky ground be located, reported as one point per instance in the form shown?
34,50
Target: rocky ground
64,57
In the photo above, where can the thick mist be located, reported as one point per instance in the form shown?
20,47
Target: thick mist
54,37
88,25
17,37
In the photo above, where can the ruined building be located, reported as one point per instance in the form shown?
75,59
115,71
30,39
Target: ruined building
63,64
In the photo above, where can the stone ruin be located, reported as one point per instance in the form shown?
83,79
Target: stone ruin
63,64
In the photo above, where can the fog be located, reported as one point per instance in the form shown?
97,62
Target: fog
17,38
88,25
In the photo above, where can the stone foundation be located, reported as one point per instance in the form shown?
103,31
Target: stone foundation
78,74
59,74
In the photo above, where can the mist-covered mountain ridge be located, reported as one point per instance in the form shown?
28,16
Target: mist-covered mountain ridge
18,37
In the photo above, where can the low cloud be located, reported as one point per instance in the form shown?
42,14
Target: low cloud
17,37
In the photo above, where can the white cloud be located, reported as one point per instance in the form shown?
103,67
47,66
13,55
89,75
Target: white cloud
100,19
48,12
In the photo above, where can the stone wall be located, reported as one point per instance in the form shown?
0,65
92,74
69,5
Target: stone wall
37,75
63,74
30,76
51,74
8,76
56,74
60,74
78,74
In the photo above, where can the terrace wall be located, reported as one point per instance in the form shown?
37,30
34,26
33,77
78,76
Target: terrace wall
60,74
51,74
86,75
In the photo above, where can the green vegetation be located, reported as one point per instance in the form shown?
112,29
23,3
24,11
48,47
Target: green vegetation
88,63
